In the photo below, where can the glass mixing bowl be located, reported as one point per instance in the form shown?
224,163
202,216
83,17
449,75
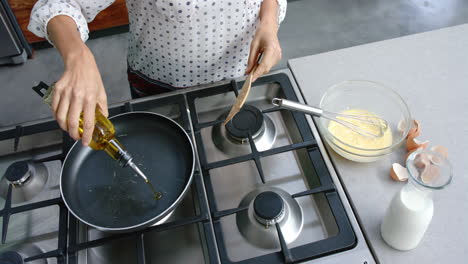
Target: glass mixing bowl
375,98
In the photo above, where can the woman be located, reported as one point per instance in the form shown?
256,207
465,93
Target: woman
172,44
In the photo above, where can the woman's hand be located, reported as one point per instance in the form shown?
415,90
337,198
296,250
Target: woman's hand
265,41
80,88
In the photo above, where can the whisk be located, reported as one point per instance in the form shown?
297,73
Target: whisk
378,123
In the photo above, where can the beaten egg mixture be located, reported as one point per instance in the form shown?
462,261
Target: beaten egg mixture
354,139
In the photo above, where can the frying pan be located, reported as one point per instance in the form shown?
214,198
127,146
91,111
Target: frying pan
110,198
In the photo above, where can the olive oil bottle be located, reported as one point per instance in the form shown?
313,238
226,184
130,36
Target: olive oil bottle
103,138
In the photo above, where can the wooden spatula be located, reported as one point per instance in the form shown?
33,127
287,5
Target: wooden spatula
243,94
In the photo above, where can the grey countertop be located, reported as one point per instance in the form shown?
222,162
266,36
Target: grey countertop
430,71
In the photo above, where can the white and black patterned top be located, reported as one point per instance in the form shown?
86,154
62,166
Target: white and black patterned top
178,42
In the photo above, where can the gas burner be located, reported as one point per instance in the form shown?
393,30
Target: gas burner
11,257
17,254
27,178
234,137
249,120
268,206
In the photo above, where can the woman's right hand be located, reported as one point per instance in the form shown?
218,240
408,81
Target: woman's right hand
79,90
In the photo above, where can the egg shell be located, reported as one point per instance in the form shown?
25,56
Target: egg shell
415,130
430,173
414,143
422,160
441,150
411,152
398,173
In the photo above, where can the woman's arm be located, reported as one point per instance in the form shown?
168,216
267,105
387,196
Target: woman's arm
269,12
80,89
266,38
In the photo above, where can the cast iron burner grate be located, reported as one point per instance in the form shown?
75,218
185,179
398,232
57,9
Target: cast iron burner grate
208,218
345,239
68,238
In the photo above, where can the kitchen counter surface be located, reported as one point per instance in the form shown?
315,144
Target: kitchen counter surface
430,71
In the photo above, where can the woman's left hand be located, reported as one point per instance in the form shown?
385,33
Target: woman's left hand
266,42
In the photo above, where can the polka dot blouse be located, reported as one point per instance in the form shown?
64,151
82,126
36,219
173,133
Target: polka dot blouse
180,43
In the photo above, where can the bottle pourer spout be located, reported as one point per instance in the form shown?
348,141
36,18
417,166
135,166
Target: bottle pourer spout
137,170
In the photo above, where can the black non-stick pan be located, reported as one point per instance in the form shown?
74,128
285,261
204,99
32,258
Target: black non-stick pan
110,198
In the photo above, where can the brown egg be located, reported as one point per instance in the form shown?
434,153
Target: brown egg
398,172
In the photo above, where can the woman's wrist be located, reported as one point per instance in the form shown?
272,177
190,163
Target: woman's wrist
63,32
269,13
76,52
270,24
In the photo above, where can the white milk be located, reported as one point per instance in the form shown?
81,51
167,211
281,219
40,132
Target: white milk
407,217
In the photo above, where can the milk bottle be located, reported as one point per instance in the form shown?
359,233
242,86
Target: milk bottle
411,210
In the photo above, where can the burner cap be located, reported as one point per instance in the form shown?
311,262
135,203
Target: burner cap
11,257
18,172
248,120
268,205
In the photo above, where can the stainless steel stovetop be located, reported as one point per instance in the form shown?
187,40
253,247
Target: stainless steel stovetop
268,195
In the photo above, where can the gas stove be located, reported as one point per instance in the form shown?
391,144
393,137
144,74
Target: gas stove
264,190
